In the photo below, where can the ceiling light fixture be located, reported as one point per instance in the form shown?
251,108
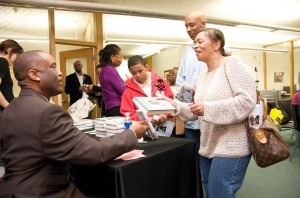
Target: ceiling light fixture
145,42
170,43
123,10
251,27
259,49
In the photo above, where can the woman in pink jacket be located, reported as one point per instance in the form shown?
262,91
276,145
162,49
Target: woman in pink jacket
143,83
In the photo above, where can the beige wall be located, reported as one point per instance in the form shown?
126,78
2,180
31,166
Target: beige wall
172,57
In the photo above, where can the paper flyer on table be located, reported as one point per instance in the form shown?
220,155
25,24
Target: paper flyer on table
134,154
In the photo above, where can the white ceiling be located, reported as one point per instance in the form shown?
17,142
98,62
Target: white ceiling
161,21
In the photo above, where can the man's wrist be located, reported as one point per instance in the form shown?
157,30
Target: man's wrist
133,131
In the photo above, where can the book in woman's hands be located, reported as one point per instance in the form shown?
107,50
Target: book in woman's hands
153,106
186,93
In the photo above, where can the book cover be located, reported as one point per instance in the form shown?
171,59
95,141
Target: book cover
151,132
152,105
165,128
186,93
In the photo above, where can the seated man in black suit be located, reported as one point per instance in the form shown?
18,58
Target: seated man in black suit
39,140
75,83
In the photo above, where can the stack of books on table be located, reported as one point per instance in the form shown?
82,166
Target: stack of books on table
108,126
114,126
100,127
85,125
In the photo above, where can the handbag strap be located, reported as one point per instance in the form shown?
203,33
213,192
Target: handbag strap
258,96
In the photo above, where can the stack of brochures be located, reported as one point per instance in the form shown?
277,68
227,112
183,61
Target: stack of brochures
86,125
153,106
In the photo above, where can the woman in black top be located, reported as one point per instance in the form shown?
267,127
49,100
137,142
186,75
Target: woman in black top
9,51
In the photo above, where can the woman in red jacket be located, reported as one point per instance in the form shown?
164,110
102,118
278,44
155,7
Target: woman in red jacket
143,83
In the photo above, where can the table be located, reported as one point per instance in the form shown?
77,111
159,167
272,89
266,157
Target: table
170,170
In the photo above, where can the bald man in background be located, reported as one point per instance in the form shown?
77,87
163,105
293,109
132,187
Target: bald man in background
77,82
189,70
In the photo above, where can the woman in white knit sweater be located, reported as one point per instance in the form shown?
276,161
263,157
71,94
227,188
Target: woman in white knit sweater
223,101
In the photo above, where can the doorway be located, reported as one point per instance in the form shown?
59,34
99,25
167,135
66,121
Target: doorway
67,59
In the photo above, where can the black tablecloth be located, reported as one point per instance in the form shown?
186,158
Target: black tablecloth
170,170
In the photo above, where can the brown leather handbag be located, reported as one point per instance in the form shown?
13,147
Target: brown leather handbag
267,145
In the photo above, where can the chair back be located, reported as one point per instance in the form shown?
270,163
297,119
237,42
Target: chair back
270,94
285,104
296,117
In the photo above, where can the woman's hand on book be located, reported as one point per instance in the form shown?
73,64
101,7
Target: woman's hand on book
171,101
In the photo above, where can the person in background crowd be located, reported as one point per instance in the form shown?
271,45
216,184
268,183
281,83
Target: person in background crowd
96,90
296,101
9,51
172,79
190,69
225,96
296,98
1,162
76,83
37,158
111,82
179,124
144,83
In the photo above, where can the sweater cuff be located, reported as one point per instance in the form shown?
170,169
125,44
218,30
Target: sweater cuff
177,111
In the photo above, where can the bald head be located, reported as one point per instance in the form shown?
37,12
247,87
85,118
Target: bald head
78,66
25,62
37,70
194,22
196,14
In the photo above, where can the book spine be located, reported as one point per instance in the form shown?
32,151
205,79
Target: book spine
151,131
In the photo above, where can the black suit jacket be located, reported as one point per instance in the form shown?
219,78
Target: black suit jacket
73,84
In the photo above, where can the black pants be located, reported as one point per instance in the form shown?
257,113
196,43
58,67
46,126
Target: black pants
114,111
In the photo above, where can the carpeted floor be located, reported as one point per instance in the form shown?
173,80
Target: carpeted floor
281,180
